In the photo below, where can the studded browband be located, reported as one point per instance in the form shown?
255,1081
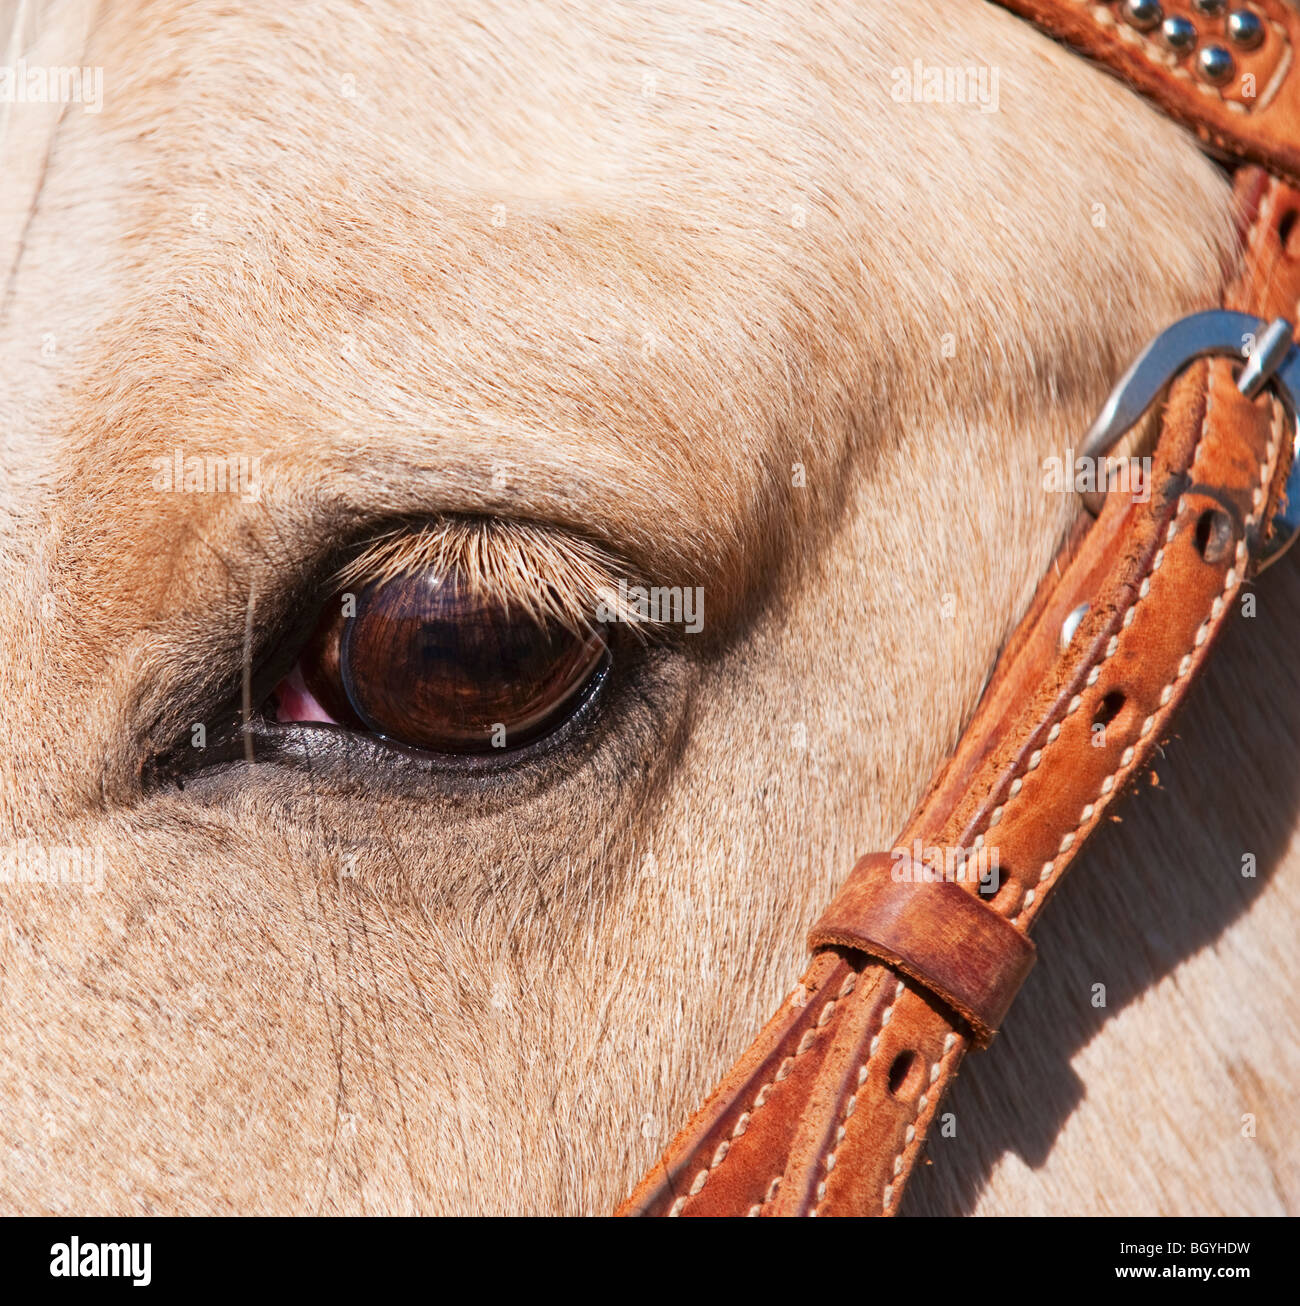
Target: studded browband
921,952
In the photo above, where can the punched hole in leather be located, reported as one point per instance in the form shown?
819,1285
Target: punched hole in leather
943,936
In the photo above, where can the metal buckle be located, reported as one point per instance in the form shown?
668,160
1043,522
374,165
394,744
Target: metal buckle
1271,359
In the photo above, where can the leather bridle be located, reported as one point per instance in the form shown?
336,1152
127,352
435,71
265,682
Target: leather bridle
918,957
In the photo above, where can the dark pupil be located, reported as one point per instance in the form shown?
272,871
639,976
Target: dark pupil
432,665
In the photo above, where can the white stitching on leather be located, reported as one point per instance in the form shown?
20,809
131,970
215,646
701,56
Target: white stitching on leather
852,1103
1230,580
949,1042
761,1097
1076,702
1109,783
1143,590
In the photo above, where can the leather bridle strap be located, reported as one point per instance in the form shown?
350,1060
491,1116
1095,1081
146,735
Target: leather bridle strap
1225,68
917,957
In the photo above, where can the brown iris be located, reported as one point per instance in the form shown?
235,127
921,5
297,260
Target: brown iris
433,665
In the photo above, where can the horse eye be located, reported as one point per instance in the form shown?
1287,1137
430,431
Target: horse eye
429,664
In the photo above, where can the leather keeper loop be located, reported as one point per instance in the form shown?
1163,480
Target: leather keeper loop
936,932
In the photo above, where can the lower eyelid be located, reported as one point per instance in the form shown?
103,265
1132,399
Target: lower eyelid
294,702
367,753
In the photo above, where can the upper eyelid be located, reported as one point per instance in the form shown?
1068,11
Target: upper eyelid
542,571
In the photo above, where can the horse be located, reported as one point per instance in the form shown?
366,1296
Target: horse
785,305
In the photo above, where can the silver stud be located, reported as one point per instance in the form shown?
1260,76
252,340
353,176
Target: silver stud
1245,29
1215,64
1211,8
1179,34
1142,14
1071,624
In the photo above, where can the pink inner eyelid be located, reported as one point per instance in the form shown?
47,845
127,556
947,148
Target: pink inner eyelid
295,702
